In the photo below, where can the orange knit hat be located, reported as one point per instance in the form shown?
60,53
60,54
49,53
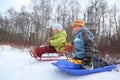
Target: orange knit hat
78,23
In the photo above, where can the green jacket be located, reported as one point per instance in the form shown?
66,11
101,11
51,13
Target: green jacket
59,40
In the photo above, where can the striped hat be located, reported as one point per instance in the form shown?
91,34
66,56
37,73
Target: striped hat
78,23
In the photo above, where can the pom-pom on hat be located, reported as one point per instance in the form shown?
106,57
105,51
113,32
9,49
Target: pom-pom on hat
78,23
57,26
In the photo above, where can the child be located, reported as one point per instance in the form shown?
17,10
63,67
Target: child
54,43
83,44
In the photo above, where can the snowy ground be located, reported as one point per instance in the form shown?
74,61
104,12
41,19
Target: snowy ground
16,64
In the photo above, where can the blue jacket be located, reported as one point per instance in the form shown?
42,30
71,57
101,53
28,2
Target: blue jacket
79,44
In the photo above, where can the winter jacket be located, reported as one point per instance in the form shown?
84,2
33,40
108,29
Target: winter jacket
59,40
79,43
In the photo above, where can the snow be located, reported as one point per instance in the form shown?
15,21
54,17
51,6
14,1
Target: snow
17,64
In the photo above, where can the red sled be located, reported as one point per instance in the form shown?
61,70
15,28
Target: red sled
67,49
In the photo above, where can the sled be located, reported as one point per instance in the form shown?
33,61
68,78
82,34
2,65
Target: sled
67,49
76,69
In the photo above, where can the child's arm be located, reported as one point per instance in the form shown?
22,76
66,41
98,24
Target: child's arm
47,43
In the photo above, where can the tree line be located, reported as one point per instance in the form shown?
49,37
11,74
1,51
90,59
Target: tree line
33,27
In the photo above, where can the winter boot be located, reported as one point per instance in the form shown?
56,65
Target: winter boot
87,64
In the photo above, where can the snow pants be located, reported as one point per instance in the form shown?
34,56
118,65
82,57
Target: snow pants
44,49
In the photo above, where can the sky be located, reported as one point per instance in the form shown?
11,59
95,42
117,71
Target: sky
17,64
17,4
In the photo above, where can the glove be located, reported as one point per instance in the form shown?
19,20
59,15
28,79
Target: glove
72,42
47,43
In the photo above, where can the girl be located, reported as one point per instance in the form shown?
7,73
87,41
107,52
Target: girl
54,43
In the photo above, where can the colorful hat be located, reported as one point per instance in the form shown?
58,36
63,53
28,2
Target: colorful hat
58,27
78,23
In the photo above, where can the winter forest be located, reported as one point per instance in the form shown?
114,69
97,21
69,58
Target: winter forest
32,28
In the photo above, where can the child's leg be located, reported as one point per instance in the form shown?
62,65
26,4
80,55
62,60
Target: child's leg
46,49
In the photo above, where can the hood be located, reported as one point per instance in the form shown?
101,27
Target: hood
63,32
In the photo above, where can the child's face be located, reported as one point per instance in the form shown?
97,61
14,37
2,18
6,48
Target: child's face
56,31
76,29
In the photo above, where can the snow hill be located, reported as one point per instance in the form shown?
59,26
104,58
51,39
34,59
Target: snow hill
17,64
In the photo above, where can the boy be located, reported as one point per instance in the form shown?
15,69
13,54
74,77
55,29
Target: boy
83,44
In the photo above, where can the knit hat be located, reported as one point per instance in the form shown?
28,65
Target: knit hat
58,27
78,23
